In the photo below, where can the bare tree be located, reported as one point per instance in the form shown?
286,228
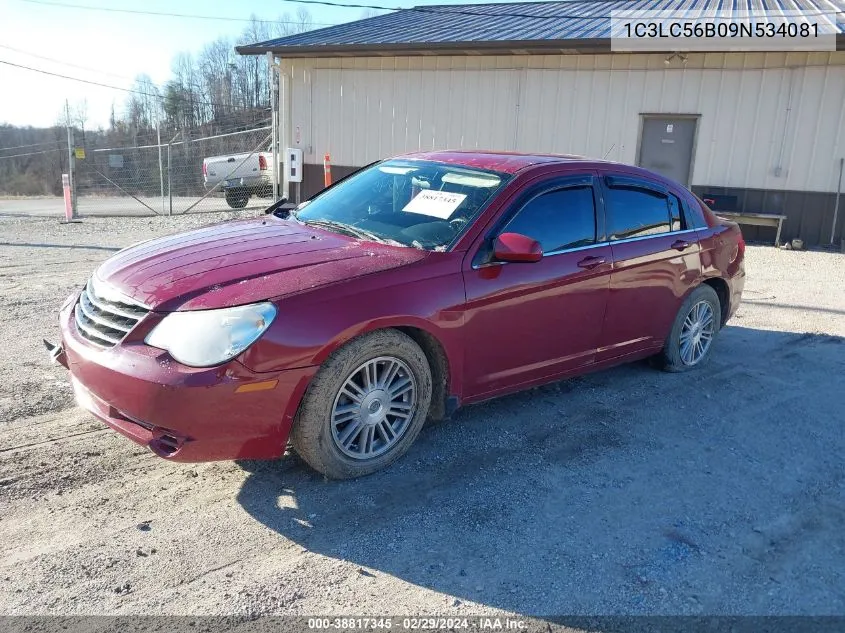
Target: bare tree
287,25
216,88
216,63
251,82
186,108
304,20
371,13
143,108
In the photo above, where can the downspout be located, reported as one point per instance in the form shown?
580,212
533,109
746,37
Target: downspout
285,128
273,78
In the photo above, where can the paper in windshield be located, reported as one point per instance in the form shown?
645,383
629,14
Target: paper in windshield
438,204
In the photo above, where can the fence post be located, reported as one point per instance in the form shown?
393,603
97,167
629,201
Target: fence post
160,168
169,187
170,171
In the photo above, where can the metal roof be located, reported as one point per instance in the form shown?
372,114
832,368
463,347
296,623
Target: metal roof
569,26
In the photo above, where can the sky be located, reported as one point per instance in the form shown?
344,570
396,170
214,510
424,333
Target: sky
117,47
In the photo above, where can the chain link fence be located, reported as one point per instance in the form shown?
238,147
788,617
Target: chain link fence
170,178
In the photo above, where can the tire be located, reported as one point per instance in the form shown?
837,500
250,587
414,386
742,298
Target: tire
237,199
676,357
325,435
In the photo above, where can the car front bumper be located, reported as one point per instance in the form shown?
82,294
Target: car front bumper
182,413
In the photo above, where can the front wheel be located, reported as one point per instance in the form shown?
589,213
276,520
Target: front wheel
365,407
690,342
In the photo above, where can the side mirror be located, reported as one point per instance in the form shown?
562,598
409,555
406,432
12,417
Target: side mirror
515,247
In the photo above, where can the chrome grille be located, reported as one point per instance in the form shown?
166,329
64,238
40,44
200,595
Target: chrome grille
104,321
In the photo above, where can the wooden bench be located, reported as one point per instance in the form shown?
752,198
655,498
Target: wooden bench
726,206
757,219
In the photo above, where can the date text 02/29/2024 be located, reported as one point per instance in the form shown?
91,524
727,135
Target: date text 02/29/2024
417,623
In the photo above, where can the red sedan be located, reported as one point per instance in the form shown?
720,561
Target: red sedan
414,286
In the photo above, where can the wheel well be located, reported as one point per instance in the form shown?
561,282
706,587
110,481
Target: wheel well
439,363
721,288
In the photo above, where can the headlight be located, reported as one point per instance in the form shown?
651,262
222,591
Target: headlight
204,338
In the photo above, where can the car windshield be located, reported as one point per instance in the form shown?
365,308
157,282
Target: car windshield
410,203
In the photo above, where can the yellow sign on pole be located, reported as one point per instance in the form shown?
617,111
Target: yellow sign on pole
79,152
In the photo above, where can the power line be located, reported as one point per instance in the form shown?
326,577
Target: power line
102,85
46,151
346,5
170,15
64,63
6,149
616,5
85,81
349,5
88,68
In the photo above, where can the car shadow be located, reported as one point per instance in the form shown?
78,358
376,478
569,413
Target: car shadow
627,491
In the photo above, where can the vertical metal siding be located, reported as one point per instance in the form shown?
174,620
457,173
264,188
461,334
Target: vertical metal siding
360,115
362,109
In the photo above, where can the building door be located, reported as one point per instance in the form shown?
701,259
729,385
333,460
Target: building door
666,146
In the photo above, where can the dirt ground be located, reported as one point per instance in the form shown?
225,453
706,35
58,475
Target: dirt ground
629,491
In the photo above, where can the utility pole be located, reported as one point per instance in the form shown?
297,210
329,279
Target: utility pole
70,161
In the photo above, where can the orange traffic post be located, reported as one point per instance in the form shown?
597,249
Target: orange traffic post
327,170
68,197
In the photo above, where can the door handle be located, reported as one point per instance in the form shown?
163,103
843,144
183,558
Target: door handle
591,262
680,245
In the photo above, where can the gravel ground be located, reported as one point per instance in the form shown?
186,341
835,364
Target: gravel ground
628,491
90,206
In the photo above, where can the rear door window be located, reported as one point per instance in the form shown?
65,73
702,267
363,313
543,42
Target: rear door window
637,212
561,219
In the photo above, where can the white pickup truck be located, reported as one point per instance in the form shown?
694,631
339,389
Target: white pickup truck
240,176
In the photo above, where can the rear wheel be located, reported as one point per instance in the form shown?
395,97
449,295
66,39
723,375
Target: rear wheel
690,342
237,199
365,407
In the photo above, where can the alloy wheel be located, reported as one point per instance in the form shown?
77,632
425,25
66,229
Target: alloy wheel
374,408
697,333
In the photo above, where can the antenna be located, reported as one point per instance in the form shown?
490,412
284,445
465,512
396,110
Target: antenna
608,151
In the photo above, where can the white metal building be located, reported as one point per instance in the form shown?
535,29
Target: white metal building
766,128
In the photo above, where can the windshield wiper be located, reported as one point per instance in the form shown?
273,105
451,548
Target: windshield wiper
354,231
369,235
340,227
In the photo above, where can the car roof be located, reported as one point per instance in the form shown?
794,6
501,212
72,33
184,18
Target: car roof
506,162
513,162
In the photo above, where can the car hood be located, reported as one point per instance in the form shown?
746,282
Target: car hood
241,262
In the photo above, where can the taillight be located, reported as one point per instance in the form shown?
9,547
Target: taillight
262,162
205,169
